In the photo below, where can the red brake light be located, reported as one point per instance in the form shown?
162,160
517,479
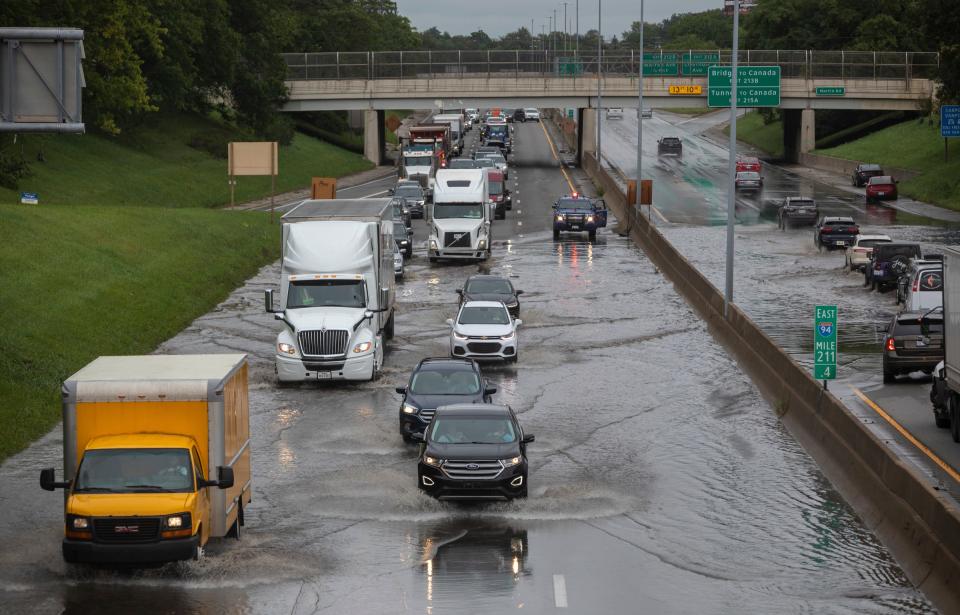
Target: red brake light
890,344
575,195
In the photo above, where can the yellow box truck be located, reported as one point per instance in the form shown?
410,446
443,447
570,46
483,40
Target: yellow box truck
156,457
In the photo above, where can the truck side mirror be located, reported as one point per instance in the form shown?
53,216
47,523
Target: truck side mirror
459,291
402,390
48,480
489,390
449,321
268,300
224,477
417,437
518,292
528,438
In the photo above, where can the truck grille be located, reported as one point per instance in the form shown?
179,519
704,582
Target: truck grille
126,529
470,470
426,414
483,346
324,343
460,239
575,219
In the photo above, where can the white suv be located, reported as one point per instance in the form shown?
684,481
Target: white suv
484,330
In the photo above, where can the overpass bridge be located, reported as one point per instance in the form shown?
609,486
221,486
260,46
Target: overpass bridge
376,81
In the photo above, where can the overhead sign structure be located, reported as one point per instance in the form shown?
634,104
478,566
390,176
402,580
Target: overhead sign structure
686,90
757,86
831,91
825,342
695,64
661,64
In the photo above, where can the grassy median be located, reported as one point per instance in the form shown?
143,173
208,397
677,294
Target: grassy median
752,130
125,249
915,146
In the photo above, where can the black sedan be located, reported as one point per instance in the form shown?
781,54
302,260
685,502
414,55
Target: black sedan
483,287
440,382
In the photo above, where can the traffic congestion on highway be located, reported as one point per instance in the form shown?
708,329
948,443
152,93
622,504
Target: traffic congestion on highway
536,481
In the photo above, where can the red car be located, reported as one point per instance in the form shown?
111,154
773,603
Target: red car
748,163
881,188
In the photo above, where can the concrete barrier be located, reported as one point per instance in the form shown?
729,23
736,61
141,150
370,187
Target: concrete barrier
846,167
919,524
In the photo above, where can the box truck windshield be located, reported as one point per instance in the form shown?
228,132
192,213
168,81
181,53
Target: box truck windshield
416,161
472,211
130,470
326,293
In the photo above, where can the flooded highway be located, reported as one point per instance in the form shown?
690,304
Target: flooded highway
660,480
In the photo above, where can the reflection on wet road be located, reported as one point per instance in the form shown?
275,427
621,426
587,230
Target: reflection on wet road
660,480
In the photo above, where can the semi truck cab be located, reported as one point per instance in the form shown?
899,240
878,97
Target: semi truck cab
461,216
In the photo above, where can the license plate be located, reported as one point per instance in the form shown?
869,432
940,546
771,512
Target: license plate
324,375
841,243
575,227
881,194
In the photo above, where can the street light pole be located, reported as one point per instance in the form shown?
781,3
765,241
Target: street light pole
566,35
576,44
554,30
599,75
640,117
732,167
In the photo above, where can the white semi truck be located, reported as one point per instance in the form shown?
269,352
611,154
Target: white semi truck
337,290
461,216
951,339
419,163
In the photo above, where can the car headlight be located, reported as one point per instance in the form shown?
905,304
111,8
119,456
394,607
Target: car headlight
559,217
432,461
513,304
433,244
409,409
80,523
513,461
508,336
459,336
482,244
174,522
287,348
362,347
589,218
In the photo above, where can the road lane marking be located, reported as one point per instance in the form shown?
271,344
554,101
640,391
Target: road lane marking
557,157
906,434
370,196
559,591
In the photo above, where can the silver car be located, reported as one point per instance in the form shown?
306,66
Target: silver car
397,261
484,330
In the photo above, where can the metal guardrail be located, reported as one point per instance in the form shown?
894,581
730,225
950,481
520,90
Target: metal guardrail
803,64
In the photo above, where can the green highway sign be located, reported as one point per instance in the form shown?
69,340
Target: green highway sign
696,64
831,91
825,342
757,86
661,64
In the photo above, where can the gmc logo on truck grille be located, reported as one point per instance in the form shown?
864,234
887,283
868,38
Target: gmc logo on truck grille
126,529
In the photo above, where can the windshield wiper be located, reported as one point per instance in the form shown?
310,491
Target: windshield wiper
143,487
93,489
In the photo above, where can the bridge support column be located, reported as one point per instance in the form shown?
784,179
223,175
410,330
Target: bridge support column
374,138
799,133
587,137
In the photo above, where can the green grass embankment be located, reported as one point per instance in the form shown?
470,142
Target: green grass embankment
400,114
917,147
123,252
156,166
767,137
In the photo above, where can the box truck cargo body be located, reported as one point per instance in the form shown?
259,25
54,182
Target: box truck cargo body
337,290
156,457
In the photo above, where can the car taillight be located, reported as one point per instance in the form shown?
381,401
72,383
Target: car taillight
858,250
916,283
876,266
890,344
854,229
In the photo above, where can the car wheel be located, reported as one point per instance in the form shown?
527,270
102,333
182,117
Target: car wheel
556,234
234,531
889,377
942,420
522,493
592,235
389,327
433,259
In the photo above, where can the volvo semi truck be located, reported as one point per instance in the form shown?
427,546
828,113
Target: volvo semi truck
461,216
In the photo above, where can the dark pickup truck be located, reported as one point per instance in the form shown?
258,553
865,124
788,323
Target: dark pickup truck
577,213
670,146
835,232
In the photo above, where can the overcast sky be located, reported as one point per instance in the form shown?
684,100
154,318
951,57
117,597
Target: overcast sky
497,17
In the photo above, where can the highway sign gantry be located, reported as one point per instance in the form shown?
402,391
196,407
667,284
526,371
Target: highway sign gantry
757,86
825,342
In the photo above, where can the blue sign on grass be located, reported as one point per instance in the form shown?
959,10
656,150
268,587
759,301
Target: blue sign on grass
950,121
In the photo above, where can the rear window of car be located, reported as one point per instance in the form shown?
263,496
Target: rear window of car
894,251
801,202
881,179
670,141
912,327
930,280
869,167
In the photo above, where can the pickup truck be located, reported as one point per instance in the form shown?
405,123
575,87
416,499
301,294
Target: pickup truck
577,213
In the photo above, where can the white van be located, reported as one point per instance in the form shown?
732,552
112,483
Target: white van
615,113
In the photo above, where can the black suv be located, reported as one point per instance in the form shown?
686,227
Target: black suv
835,232
864,172
402,226
491,288
439,382
670,146
913,341
519,115
797,210
888,262
474,452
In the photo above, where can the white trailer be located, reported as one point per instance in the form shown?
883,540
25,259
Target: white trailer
456,123
461,216
951,336
337,290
